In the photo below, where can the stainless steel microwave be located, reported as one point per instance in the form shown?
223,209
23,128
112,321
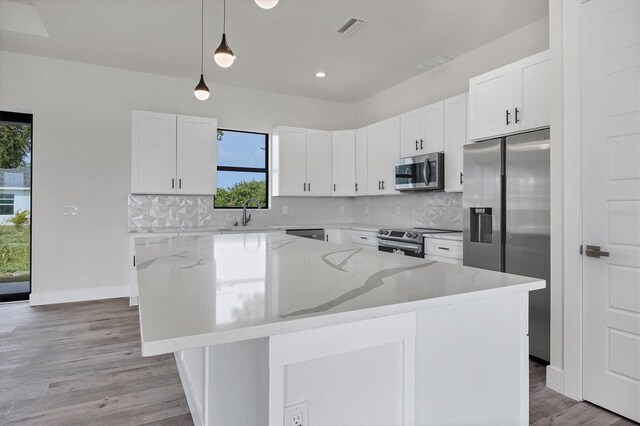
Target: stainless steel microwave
420,173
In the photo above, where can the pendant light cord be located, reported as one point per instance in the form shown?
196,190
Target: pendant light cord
202,39
224,16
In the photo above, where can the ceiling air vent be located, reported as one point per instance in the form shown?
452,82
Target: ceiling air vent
348,28
432,63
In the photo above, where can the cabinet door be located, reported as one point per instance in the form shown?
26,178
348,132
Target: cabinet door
491,104
319,163
289,161
455,137
361,162
531,78
410,133
432,124
153,156
344,162
197,155
391,154
375,154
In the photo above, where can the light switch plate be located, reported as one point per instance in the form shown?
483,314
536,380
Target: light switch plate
297,415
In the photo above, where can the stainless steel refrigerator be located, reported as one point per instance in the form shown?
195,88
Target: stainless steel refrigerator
506,217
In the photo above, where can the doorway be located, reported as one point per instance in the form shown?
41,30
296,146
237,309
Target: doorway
15,205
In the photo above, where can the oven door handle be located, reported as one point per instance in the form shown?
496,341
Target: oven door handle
405,246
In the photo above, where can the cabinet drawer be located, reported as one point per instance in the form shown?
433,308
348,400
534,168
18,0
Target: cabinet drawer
364,238
443,259
443,248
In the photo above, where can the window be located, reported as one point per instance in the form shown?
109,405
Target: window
242,169
6,204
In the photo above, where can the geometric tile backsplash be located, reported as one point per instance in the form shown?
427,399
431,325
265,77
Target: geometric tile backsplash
428,209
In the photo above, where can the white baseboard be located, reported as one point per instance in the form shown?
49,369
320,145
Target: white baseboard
96,293
555,379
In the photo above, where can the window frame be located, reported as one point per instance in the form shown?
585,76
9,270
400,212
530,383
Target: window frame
3,199
266,171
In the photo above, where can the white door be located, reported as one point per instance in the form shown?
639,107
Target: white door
319,163
343,163
153,155
410,133
290,161
375,154
432,119
391,154
491,103
197,153
455,137
531,77
361,162
610,70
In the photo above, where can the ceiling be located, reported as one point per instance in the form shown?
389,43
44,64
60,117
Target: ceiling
277,50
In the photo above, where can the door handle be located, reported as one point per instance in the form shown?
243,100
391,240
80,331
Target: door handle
517,119
416,144
594,251
508,114
421,144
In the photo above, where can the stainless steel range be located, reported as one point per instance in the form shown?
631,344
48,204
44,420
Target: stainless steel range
408,242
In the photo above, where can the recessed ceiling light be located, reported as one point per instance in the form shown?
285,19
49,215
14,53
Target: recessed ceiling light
321,74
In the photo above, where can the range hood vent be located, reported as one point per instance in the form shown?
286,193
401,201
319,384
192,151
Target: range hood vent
433,62
351,26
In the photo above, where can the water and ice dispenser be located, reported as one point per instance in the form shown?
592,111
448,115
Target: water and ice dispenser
480,225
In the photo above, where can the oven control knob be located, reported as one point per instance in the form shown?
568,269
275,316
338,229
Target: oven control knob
386,232
381,232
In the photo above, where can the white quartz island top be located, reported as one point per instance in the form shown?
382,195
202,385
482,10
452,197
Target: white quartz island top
211,289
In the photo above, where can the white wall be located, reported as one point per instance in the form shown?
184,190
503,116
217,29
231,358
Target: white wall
453,78
82,155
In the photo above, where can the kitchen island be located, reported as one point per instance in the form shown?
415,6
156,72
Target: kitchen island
266,326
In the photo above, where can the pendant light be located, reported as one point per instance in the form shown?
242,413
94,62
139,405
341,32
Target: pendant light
201,92
223,55
267,4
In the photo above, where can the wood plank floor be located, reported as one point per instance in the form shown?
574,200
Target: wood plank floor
80,363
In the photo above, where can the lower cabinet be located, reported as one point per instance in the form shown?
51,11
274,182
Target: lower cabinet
443,250
366,239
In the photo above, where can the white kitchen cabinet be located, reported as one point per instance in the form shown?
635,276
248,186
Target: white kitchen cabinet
318,163
510,99
289,165
366,239
442,249
302,162
173,154
422,130
455,137
334,235
432,119
343,156
383,149
361,162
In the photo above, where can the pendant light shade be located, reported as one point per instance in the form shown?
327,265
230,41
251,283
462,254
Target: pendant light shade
224,56
201,91
267,4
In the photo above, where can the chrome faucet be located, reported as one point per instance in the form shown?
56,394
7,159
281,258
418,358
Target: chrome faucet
246,219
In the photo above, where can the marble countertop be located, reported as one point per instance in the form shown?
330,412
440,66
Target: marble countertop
203,290
453,236
249,228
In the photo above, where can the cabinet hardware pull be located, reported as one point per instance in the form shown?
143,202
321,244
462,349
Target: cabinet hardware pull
180,183
443,248
304,186
508,114
416,144
356,187
173,183
383,185
334,187
421,144
460,178
309,186
134,260
379,186
517,119
363,238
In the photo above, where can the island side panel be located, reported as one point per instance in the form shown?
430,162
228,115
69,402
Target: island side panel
472,362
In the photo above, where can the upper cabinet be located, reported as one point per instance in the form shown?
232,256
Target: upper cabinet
383,149
301,164
510,99
173,154
422,130
455,137
361,162
343,163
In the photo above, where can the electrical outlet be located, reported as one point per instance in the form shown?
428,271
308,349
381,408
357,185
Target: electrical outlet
397,209
297,415
285,210
341,209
